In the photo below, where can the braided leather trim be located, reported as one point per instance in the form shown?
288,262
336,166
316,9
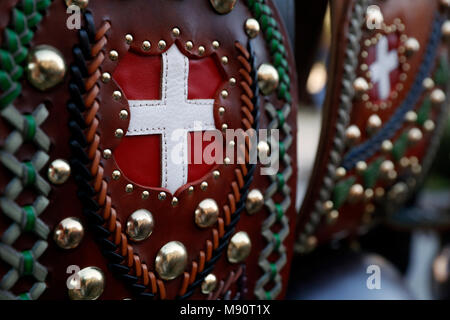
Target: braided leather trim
17,36
94,195
347,94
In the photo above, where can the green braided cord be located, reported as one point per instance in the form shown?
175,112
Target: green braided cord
28,262
31,218
30,128
277,241
24,296
268,295
262,12
17,35
280,211
274,270
281,118
281,181
31,174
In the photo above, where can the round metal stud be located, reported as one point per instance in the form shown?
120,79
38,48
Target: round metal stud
176,32
341,173
412,46
68,233
411,117
45,67
387,146
438,96
268,78
140,225
106,77
58,171
191,190
221,111
429,125
361,167
117,95
118,133
263,149
224,94
206,213
361,86
82,4
239,248
428,83
232,81
129,188
107,153
209,284
88,285
116,175
252,28
353,134
254,202
146,45
224,60
113,55
415,135
201,50
189,45
171,260
356,193
216,44
174,202
374,123
332,217
216,174
446,29
145,195
129,38
123,114
162,196
162,45
223,6
204,185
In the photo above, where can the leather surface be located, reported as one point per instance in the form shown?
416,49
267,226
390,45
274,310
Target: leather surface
419,18
152,21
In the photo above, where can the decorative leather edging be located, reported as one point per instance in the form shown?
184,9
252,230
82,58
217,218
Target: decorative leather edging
26,129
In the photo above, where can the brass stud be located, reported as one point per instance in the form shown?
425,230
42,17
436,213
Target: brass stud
221,111
356,193
428,83
387,146
140,225
174,201
415,135
207,213
224,60
226,161
117,95
107,153
411,117
216,44
118,133
332,217
123,115
232,81
191,190
438,96
223,6
268,78
204,185
252,28
116,175
254,202
263,149
429,125
176,32
171,260
446,29
129,38
58,171
162,45
162,196
239,247
129,188
88,285
224,94
412,46
201,50
45,67
361,86
146,45
341,173
361,167
113,55
374,123
224,127
189,45
145,195
68,233
82,4
209,284
353,134
106,77
216,174
328,206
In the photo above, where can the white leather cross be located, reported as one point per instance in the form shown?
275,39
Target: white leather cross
386,62
172,117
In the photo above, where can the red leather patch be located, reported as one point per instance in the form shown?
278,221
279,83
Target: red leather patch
139,76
